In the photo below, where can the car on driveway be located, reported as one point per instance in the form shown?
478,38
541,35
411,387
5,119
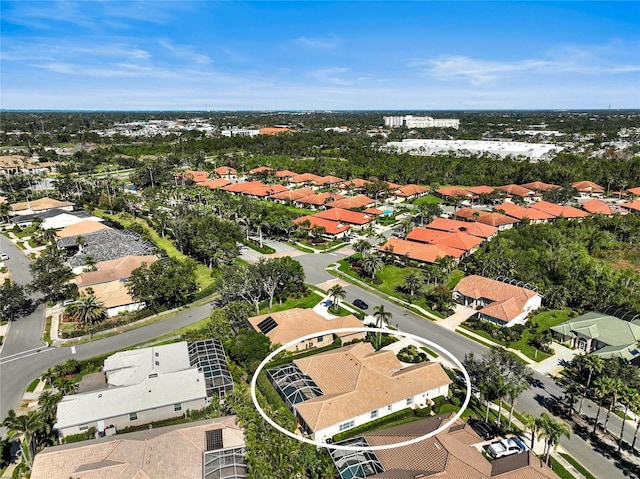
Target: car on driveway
482,429
358,303
506,447
4,256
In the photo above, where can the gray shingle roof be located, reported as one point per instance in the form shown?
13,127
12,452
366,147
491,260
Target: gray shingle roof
105,245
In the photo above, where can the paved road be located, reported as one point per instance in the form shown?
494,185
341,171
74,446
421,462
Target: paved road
17,371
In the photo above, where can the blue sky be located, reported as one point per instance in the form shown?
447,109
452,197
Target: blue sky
231,55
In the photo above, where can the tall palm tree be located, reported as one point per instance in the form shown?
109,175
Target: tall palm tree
47,403
406,226
616,385
635,436
630,397
88,310
412,282
65,386
529,422
552,431
592,364
362,246
30,425
602,387
514,390
371,264
382,317
337,293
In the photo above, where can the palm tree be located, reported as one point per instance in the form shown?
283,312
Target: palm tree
47,403
382,317
514,390
336,293
371,264
30,425
529,422
363,247
592,364
552,431
65,386
406,226
412,282
88,310
616,385
602,387
81,243
630,397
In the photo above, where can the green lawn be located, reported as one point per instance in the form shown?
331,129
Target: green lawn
454,278
308,301
429,200
548,319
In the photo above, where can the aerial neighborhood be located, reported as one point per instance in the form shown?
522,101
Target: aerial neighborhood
402,305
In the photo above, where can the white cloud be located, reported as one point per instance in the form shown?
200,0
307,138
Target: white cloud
185,52
333,75
322,43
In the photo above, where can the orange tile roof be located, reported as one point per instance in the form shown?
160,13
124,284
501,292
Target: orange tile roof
260,169
393,186
521,212
472,228
497,219
81,228
331,227
344,216
285,174
539,186
634,191
328,180
632,205
216,183
461,241
468,213
360,201
355,183
265,190
453,192
319,199
304,178
508,301
410,190
516,190
274,131
480,190
197,176
293,195
113,270
587,187
559,210
428,253
225,170
241,187
40,204
373,211
597,206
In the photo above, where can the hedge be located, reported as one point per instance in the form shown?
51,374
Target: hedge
359,430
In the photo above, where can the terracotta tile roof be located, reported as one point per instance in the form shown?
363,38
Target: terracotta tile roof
521,466
497,219
632,205
480,190
298,322
348,203
393,186
468,213
113,270
285,174
274,131
159,453
521,212
355,379
331,227
197,176
40,204
559,210
355,183
344,216
539,186
216,183
587,187
225,170
373,211
304,178
328,180
508,300
293,195
472,228
260,169
265,190
410,190
461,241
425,252
597,206
516,190
81,228
453,192
634,191
319,199
241,187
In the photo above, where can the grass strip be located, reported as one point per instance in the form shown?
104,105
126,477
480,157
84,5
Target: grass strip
578,466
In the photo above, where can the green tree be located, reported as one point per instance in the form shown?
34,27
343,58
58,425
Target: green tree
602,387
630,398
163,283
336,293
13,300
590,363
372,264
30,425
50,275
382,317
552,431
87,310
248,348
412,282
529,422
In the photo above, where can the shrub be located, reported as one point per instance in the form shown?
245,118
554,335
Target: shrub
83,436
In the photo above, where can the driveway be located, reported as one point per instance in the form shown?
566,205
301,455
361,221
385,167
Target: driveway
462,313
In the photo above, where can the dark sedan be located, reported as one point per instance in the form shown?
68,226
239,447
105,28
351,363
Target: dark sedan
358,303
482,429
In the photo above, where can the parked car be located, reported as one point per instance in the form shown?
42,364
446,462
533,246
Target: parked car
67,302
358,303
461,380
482,429
553,405
4,256
506,447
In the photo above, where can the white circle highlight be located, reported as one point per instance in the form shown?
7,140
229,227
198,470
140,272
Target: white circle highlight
424,341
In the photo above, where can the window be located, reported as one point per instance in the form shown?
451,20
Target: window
374,414
319,339
157,354
347,425
409,401
177,407
157,363
84,428
389,408
133,416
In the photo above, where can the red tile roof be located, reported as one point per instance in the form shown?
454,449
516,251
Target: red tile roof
319,199
373,211
597,206
632,205
411,190
521,213
360,201
285,174
241,187
344,216
587,187
427,253
480,190
260,169
472,228
197,176
217,183
304,178
274,131
559,210
254,188
468,213
516,190
331,227
355,183
453,192
328,180
496,219
293,195
461,241
539,186
225,170
634,191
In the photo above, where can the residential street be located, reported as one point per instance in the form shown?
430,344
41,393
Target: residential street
18,370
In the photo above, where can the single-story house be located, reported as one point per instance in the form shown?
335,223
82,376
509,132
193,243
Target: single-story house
421,252
559,211
352,202
226,172
523,213
588,188
411,191
473,228
502,303
345,216
331,228
39,206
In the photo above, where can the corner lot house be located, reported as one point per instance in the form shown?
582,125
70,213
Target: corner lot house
336,390
502,303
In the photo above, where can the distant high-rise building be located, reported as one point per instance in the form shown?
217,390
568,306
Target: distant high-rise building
410,121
